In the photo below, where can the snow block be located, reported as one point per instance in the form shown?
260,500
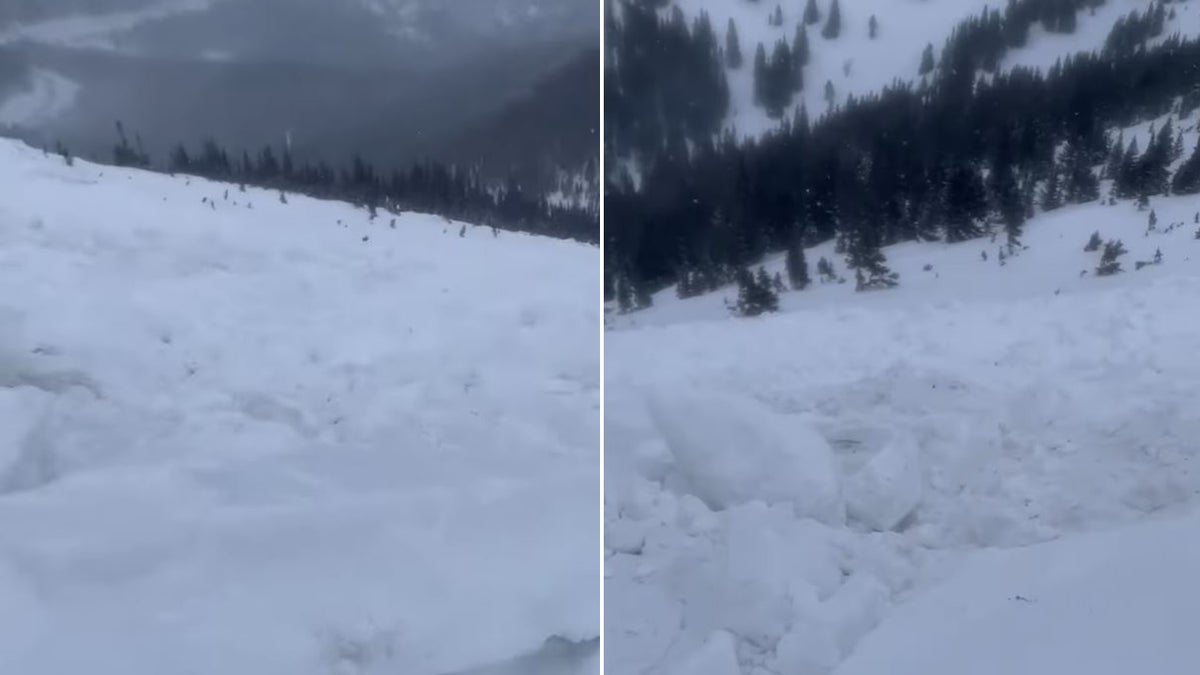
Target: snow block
888,488
717,656
731,450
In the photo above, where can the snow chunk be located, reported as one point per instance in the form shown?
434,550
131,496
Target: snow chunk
888,488
732,451
717,656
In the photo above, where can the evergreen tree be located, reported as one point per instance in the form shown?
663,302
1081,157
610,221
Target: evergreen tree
1109,263
1094,243
926,61
1052,192
825,271
624,293
833,24
867,259
1081,184
1005,193
733,48
1187,177
1153,168
801,53
811,13
965,204
755,293
873,27
761,76
797,266
776,17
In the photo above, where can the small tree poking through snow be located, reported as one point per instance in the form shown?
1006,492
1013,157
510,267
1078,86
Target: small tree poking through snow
1109,263
1094,243
755,293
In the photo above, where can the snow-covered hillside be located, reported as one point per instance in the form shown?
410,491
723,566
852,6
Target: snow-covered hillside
775,486
856,64
249,437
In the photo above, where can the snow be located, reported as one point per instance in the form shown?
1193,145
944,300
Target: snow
858,65
1107,603
731,451
888,488
976,407
243,436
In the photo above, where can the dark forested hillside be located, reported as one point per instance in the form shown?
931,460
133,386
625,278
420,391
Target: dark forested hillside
966,149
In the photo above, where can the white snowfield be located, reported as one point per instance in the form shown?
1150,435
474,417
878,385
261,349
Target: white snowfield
245,437
857,65
977,406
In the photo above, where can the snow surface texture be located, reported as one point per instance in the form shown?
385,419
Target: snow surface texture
975,406
247,437
858,65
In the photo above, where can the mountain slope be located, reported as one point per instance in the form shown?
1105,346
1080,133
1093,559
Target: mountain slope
973,407
857,64
255,437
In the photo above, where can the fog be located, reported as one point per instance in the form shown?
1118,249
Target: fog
392,80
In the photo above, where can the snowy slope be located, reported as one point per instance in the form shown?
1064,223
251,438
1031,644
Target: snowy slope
858,65
1109,603
974,406
250,437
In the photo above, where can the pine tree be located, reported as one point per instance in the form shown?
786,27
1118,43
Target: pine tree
873,27
801,53
1052,192
825,271
624,293
965,203
1187,177
867,259
797,266
755,293
1006,194
776,17
733,48
1081,184
642,296
761,76
1094,243
927,63
1109,263
833,25
811,13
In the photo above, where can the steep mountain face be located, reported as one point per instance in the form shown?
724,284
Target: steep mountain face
552,129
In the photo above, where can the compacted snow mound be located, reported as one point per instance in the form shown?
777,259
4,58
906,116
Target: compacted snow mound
731,451
885,491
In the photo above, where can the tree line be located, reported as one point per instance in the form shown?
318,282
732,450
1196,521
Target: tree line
948,158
